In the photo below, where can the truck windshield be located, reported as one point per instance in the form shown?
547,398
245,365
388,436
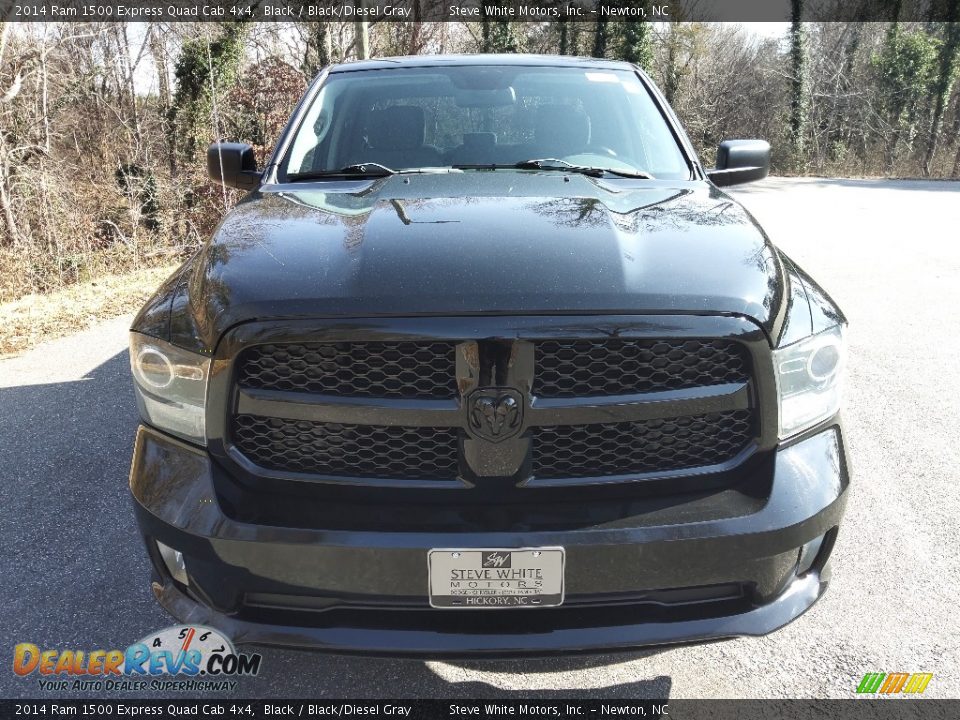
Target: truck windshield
482,116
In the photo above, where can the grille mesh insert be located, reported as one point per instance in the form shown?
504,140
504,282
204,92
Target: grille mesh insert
392,371
591,368
350,450
640,447
352,369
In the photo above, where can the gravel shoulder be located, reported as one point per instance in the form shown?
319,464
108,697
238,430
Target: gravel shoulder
33,319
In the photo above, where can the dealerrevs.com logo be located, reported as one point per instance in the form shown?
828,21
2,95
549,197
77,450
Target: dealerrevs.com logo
182,657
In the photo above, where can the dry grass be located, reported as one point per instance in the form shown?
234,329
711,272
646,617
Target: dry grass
31,319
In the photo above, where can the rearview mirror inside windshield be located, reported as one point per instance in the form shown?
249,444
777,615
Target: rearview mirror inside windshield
500,97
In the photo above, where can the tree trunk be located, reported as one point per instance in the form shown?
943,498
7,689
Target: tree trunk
158,49
416,30
503,38
890,158
127,68
638,44
361,29
318,53
944,84
671,80
13,233
44,98
798,101
4,31
573,40
600,37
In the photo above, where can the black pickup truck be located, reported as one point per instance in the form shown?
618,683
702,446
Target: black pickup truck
485,364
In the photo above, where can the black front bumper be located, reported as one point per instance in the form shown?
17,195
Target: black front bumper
675,574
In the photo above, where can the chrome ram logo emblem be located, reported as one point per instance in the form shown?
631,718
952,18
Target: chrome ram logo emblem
495,414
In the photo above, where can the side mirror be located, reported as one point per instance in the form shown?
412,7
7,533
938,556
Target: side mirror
741,161
233,165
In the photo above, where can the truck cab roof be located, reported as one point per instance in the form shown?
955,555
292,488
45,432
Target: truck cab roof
480,60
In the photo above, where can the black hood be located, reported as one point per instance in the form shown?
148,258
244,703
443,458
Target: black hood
482,242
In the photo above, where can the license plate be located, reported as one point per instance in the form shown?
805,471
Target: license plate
496,577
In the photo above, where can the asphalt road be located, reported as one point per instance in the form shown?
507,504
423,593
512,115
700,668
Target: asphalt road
74,573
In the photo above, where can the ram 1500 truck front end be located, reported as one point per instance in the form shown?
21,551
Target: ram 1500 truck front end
488,378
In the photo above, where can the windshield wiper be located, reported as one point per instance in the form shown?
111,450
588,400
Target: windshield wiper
364,170
558,164
358,170
563,165
374,169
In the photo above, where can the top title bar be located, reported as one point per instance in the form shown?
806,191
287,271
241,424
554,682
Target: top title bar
471,10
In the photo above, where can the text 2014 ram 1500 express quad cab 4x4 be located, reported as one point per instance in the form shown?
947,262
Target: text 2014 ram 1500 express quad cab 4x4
486,364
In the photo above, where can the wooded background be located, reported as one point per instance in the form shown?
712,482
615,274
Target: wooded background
103,127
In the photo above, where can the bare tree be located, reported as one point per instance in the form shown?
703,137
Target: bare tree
361,30
798,69
949,51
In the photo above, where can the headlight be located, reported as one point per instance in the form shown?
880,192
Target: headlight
809,380
171,386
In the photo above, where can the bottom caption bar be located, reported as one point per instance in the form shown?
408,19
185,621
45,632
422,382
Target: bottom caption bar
855,709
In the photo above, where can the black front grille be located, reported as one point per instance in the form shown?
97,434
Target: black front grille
592,368
352,369
576,451
368,451
401,410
